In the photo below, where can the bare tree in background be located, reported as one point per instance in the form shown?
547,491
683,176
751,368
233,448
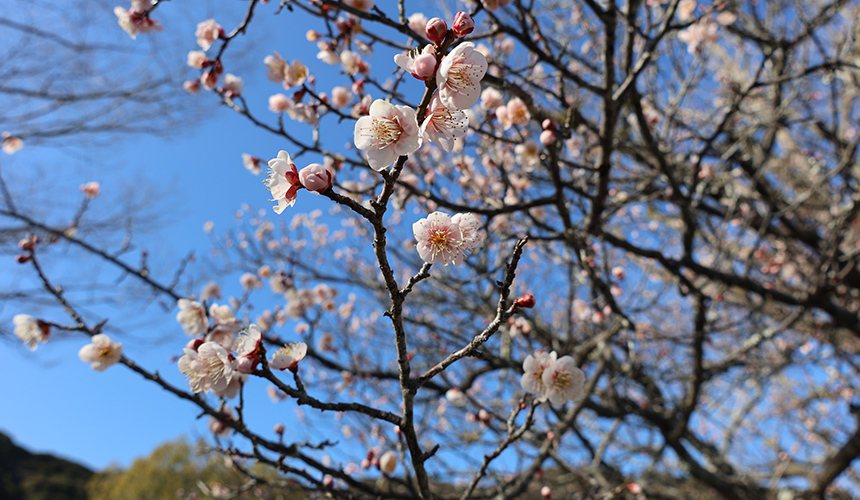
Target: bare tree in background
676,184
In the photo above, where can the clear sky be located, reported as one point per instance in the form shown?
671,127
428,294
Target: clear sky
52,402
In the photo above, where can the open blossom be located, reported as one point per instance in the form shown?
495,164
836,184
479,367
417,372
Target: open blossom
443,126
279,103
135,20
208,368
563,380
247,348
283,181
389,132
352,63
249,281
91,189
102,353
207,32
469,224
364,5
459,76
31,330
288,357
316,177
192,317
534,368
439,239
289,74
276,65
340,97
232,85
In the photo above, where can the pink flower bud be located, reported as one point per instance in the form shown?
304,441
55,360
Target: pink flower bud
279,428
547,137
424,67
618,272
436,29
22,259
548,124
328,481
316,177
463,24
527,301
245,364
193,344
546,492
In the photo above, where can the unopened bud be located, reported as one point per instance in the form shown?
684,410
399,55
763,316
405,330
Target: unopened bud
527,301
279,428
436,29
546,492
194,344
463,24
22,259
547,137
424,67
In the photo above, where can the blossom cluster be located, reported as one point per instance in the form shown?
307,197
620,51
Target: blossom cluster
210,366
551,378
285,180
136,19
443,239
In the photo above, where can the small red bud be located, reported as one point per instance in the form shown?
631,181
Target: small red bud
436,29
527,301
22,259
463,24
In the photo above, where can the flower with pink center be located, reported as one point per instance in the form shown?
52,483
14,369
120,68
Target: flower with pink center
192,317
459,76
295,74
469,225
388,132
283,181
31,330
102,353
563,380
443,126
207,32
421,65
316,177
288,357
534,368
209,368
91,189
518,112
439,239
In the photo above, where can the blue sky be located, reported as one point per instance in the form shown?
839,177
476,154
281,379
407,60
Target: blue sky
55,403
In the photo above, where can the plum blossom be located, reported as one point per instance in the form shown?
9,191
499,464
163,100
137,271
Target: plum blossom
135,20
222,315
252,163
388,132
197,59
340,97
289,75
459,76
443,126
102,353
91,189
218,426
31,330
11,144
207,32
247,348
192,317
316,177
416,22
279,103
232,85
439,239
364,5
696,35
249,281
208,368
283,181
388,463
422,65
534,367
352,62
469,224
463,24
288,357
563,380
191,86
